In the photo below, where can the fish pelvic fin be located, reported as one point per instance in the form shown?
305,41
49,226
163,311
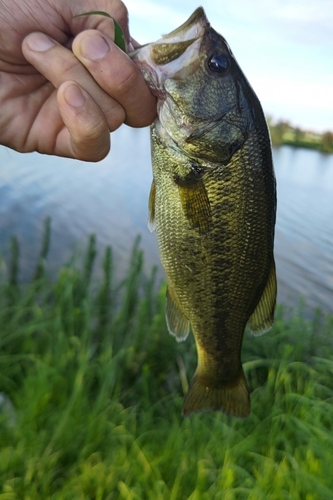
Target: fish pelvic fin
231,399
178,325
262,318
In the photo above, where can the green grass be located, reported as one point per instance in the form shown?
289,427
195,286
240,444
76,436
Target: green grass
91,391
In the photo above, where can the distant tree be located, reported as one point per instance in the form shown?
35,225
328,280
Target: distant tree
327,142
283,126
278,130
299,134
282,132
276,138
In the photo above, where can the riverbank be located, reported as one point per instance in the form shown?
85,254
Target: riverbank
91,388
283,132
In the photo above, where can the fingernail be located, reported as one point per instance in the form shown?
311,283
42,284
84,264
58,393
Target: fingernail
74,96
40,42
94,47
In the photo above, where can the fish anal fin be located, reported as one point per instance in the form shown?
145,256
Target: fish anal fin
178,325
232,399
195,202
262,318
151,208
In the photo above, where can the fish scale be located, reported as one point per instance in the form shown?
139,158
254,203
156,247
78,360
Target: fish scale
212,204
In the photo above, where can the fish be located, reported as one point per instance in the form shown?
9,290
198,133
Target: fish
213,206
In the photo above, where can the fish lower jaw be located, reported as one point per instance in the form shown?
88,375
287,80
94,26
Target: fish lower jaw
151,78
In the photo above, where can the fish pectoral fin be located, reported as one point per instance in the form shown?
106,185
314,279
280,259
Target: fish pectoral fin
195,203
262,318
178,325
151,208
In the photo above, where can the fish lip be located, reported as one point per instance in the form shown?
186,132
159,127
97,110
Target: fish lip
136,51
149,74
180,34
151,78
191,31
183,32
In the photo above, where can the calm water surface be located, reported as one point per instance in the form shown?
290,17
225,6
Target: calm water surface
110,200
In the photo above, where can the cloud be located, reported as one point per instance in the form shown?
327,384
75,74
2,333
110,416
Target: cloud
302,21
298,92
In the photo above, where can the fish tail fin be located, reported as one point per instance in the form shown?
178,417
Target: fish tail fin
231,399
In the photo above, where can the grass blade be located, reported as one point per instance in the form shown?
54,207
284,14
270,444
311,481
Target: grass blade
119,38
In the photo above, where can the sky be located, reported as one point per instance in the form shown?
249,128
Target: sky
284,47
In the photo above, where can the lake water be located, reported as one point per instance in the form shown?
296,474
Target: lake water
110,199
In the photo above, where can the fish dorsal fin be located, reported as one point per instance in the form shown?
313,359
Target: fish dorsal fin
151,208
178,325
195,201
262,318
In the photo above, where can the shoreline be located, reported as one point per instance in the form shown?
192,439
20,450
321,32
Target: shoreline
283,133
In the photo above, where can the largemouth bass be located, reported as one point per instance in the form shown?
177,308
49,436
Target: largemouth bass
212,204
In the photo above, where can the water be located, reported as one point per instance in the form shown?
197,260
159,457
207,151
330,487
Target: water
304,230
110,200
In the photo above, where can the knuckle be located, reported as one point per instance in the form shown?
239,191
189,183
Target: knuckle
89,131
68,65
93,144
115,116
126,82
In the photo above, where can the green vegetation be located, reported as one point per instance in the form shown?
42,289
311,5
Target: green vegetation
119,37
91,388
284,133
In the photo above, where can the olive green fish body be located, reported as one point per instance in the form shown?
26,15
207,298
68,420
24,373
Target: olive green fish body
212,205
216,275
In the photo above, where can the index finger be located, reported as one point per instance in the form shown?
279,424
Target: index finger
117,75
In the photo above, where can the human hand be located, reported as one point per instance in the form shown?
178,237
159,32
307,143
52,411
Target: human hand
63,95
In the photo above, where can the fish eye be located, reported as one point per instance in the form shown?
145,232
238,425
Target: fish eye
219,64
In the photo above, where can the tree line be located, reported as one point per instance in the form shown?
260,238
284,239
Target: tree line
282,132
